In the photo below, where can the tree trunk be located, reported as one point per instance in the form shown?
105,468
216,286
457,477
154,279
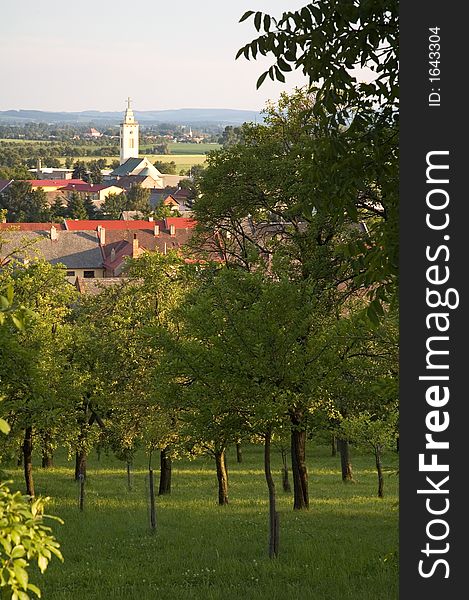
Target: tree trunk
380,473
129,475
27,458
152,500
273,514
80,464
299,471
285,479
222,477
165,472
239,453
47,454
346,465
333,445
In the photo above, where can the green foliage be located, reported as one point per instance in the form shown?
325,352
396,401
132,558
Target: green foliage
371,430
138,198
166,167
24,204
76,206
113,205
351,162
23,537
328,38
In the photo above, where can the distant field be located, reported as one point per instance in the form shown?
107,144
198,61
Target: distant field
178,149
26,141
192,148
183,161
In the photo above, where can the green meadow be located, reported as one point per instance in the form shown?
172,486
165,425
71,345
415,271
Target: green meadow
341,549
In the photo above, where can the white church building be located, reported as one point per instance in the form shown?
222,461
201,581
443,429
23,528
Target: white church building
133,166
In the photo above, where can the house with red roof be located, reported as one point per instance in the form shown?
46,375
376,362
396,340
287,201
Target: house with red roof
96,192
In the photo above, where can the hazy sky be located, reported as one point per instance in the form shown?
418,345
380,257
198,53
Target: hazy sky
92,54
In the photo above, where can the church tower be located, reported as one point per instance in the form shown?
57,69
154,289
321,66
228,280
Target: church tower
128,135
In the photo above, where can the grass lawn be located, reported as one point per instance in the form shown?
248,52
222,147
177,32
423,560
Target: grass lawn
201,551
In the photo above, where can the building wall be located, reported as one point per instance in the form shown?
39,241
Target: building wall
98,273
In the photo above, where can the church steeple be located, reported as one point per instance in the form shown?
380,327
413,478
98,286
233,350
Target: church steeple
128,135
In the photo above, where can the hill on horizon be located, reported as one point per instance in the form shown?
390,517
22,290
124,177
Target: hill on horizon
180,116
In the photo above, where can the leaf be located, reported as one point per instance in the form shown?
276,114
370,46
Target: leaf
18,551
258,20
246,15
42,563
267,21
34,589
21,575
261,80
4,427
240,52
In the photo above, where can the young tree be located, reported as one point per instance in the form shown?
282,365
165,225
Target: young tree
378,433
138,198
76,206
113,205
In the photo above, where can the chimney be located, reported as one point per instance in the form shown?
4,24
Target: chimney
150,219
113,254
156,230
134,246
39,168
102,235
172,229
53,232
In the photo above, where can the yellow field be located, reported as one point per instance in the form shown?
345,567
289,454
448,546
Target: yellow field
183,161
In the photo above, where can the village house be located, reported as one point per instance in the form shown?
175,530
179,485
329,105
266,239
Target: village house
52,173
78,251
96,192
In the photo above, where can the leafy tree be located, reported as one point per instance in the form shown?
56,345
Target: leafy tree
95,175
231,136
138,198
16,172
162,211
326,40
166,167
23,204
253,195
113,205
376,432
33,365
356,159
80,171
191,186
23,535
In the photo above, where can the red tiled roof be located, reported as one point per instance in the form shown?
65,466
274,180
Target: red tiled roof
111,224
55,182
180,222
31,226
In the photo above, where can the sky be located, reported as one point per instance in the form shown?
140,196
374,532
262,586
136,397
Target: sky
92,54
